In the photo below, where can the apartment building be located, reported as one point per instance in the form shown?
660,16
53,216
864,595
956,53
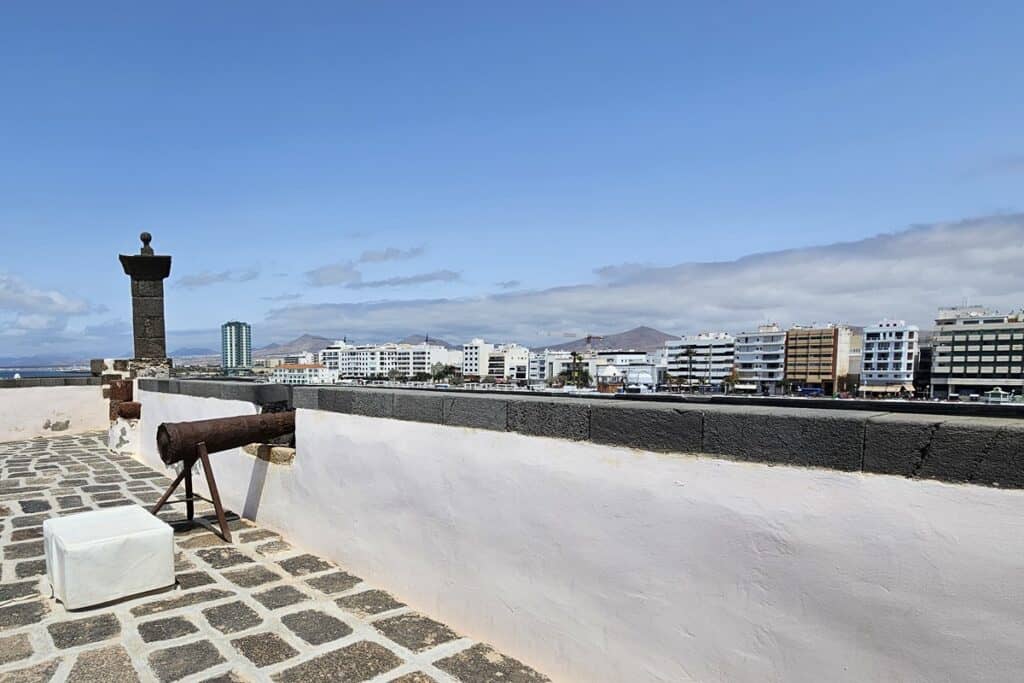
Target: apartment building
818,357
508,361
235,346
701,360
383,360
476,356
889,358
974,350
761,360
303,373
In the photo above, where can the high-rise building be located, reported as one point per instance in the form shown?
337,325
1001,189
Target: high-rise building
235,346
975,350
701,360
760,360
818,357
889,357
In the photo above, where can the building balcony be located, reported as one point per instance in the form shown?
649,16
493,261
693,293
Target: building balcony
490,538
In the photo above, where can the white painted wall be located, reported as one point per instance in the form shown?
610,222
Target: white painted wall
594,563
25,411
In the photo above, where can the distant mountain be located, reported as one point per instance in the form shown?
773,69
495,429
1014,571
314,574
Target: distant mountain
638,339
307,342
190,351
420,338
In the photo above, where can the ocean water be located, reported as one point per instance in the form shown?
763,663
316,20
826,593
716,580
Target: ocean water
8,373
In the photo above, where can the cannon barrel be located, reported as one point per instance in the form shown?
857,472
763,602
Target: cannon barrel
177,440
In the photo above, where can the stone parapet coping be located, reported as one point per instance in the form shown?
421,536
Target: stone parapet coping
985,451
50,382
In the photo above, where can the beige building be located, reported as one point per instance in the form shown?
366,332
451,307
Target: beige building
819,357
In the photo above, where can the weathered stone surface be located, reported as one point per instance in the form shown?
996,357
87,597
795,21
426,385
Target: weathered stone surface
220,558
414,677
335,582
67,634
653,428
415,631
232,617
165,629
103,665
482,663
264,649
273,548
31,506
14,591
177,662
819,438
27,534
13,648
206,540
280,596
21,551
28,520
368,402
229,677
257,535
251,576
316,627
186,599
419,407
561,419
368,603
38,673
194,579
477,412
66,502
358,662
304,564
30,568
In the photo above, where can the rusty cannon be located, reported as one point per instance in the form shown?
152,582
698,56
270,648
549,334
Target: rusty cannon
191,442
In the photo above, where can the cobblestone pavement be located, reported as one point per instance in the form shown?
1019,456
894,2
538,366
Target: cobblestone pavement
256,610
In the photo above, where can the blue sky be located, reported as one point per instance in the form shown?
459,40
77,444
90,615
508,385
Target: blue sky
382,169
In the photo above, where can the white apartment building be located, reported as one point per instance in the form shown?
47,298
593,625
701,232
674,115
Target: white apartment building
508,361
547,364
701,360
384,360
889,357
476,356
761,360
303,373
303,358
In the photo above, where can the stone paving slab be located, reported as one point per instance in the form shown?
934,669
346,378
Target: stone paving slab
256,610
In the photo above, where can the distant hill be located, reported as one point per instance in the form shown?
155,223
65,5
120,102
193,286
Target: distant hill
420,338
190,351
307,342
638,339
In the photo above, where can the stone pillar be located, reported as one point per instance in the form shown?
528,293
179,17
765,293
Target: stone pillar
148,271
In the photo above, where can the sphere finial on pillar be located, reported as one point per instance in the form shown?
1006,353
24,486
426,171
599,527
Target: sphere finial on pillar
146,239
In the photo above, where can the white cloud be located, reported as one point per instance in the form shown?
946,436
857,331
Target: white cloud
207,278
18,296
906,274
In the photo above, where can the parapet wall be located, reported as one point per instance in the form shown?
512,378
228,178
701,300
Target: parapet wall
976,450
986,451
613,553
45,406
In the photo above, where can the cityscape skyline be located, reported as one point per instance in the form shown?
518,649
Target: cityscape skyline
515,173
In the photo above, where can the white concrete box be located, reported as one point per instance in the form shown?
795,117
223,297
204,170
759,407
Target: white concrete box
96,557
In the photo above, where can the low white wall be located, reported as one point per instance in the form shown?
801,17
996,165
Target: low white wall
593,563
28,412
